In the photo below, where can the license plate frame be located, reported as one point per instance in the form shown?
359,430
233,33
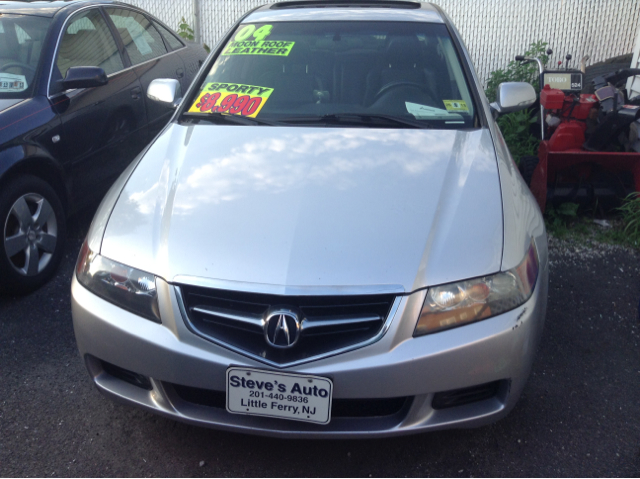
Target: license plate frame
273,402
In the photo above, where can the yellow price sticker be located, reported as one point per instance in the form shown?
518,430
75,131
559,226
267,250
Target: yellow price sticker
232,99
455,105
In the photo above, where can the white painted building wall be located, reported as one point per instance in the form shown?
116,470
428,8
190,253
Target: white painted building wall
493,30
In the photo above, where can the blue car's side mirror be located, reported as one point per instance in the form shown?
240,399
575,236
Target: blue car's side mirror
84,77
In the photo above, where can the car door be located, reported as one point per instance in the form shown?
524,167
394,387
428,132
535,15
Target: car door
103,127
150,58
190,61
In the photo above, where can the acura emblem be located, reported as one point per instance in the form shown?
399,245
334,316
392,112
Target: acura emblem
282,329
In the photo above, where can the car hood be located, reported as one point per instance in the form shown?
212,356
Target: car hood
6,104
294,207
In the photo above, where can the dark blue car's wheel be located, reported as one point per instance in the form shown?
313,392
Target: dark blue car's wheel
33,231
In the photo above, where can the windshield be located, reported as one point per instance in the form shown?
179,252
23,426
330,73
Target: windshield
21,41
388,74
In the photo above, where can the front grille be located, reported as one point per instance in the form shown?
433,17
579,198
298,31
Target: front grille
327,323
339,407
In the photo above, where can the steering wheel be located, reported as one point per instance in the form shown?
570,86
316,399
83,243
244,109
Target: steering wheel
402,83
25,66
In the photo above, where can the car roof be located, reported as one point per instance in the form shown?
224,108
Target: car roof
369,10
44,8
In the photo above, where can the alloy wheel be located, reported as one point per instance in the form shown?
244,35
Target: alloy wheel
30,234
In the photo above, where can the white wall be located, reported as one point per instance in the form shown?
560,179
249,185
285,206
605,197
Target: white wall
493,30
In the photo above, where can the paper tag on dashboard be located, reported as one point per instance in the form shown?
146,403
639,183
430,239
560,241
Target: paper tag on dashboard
424,111
10,83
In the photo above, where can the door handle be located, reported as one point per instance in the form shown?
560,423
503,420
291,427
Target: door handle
135,92
180,72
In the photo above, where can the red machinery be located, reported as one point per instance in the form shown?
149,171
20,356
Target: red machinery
577,159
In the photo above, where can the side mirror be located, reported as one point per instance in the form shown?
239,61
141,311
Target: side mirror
513,96
165,90
84,77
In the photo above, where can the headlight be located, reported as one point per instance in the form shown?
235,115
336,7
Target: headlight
129,288
461,303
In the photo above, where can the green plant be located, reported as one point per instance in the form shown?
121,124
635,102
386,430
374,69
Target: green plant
568,210
517,135
559,219
517,71
515,127
565,223
185,31
630,210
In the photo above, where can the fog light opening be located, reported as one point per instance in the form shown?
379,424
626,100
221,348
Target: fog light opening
127,376
460,397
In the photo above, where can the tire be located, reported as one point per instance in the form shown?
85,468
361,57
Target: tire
33,231
527,166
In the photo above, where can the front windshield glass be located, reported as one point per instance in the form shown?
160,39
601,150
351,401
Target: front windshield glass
388,74
21,41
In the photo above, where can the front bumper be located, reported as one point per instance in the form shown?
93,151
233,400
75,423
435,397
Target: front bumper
500,349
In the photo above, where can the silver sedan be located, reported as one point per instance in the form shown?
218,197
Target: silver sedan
329,239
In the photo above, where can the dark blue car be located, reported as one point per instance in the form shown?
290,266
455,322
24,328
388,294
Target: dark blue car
73,114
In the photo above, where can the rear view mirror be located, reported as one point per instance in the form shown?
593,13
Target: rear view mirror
165,90
513,96
84,77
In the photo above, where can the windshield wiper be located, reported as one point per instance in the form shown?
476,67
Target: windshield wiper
237,119
369,119
360,119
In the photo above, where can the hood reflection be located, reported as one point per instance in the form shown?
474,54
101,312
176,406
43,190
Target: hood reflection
312,206
339,159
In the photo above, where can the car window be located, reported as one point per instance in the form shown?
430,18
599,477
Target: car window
21,41
288,70
88,42
169,36
141,40
22,36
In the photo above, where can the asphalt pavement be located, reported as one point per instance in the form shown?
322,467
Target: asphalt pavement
579,414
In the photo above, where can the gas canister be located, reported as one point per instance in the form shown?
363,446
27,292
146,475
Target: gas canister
551,98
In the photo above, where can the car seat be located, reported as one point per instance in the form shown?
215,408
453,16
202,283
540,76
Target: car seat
4,49
402,61
290,77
